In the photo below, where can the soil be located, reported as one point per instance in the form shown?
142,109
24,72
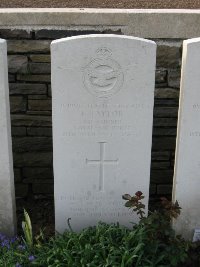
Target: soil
182,4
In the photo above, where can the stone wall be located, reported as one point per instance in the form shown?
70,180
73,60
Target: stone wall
30,98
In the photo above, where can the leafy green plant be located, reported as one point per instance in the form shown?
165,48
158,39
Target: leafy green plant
27,230
150,243
158,235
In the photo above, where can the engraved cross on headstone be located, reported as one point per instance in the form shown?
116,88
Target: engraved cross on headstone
101,162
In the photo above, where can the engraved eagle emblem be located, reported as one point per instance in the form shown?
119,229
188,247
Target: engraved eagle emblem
103,77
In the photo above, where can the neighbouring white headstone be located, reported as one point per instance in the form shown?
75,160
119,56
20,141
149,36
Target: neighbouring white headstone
7,195
186,189
103,91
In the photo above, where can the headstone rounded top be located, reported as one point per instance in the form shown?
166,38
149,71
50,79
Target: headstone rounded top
117,36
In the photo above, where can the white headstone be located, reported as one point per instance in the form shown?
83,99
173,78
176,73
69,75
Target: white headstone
103,91
7,195
186,188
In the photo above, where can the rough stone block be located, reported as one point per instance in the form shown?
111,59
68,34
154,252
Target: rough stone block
171,102
57,34
165,122
21,190
161,176
17,64
164,131
34,78
37,97
17,175
173,78
160,165
168,54
42,189
165,112
164,189
152,189
40,68
18,131
163,143
166,93
27,89
161,76
11,34
49,90
34,121
39,173
28,46
25,144
40,58
17,104
42,131
11,77
31,159
160,155
39,104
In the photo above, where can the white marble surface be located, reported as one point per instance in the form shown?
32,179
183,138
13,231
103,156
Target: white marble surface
7,195
102,90
186,188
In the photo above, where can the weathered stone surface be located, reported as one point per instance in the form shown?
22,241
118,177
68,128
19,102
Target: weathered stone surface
11,77
160,155
163,143
27,89
168,54
40,58
38,173
25,144
57,34
165,122
161,176
166,93
42,188
164,189
171,102
34,121
164,131
157,165
34,78
165,112
42,131
28,46
161,76
39,112
174,77
36,97
98,80
17,175
37,181
186,176
17,104
17,64
152,189
49,90
51,34
40,68
18,131
19,34
30,159
39,104
21,190
7,195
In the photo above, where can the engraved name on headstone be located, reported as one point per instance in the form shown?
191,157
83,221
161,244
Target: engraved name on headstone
187,163
7,195
102,91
